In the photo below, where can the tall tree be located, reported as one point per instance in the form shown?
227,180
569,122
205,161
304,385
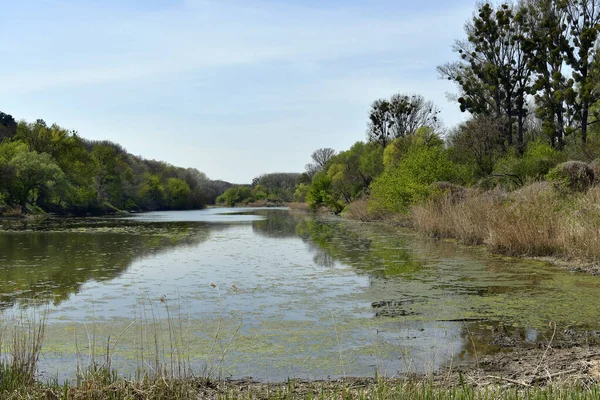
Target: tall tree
494,74
380,123
583,22
411,112
322,156
547,45
320,159
8,126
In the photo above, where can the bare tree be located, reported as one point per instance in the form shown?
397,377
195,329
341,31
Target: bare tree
322,156
320,159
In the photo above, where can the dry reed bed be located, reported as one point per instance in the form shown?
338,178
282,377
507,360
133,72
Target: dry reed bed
537,220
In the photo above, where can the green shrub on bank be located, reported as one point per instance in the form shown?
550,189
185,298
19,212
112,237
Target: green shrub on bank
513,170
236,195
320,194
409,181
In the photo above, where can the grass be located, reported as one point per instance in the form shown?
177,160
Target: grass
164,373
111,387
536,220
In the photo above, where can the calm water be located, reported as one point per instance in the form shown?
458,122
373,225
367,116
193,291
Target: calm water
274,294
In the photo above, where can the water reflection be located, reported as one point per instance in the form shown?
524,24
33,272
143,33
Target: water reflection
409,275
50,260
354,246
310,291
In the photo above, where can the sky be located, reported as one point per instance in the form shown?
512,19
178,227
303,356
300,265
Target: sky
234,88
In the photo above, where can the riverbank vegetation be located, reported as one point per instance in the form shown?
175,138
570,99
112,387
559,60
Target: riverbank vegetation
267,189
520,174
166,374
51,169
373,389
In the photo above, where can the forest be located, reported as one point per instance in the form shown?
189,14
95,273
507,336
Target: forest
49,169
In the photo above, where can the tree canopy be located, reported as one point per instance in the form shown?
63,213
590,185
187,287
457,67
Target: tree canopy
51,169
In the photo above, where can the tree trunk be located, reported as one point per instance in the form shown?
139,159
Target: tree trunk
520,131
584,123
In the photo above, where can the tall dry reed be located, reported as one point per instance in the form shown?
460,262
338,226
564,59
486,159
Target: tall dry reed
536,220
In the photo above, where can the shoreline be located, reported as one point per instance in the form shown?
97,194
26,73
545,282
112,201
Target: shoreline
539,374
400,222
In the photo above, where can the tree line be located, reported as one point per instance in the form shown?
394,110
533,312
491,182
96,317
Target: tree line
266,189
51,169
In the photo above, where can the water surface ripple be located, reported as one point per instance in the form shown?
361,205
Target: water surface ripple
272,294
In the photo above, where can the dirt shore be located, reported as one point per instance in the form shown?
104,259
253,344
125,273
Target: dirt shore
525,368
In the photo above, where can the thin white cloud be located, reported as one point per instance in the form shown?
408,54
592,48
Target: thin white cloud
211,35
238,88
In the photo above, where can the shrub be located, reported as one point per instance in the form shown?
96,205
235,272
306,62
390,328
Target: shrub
513,170
573,176
301,192
320,194
409,181
235,195
454,192
357,210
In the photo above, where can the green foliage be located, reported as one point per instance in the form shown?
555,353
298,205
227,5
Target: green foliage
352,171
320,194
409,180
178,193
236,195
423,136
28,177
275,187
514,170
49,168
301,192
151,192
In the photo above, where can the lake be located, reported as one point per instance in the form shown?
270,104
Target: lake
274,294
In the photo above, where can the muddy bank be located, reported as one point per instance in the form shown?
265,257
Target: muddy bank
534,367
587,267
521,369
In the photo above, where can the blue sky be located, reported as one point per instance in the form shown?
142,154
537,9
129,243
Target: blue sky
234,88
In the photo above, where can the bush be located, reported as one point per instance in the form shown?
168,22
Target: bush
301,192
573,176
514,170
236,195
453,192
409,181
320,194
357,210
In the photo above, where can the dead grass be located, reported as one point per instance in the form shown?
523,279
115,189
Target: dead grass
299,206
357,210
467,220
536,220
11,212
